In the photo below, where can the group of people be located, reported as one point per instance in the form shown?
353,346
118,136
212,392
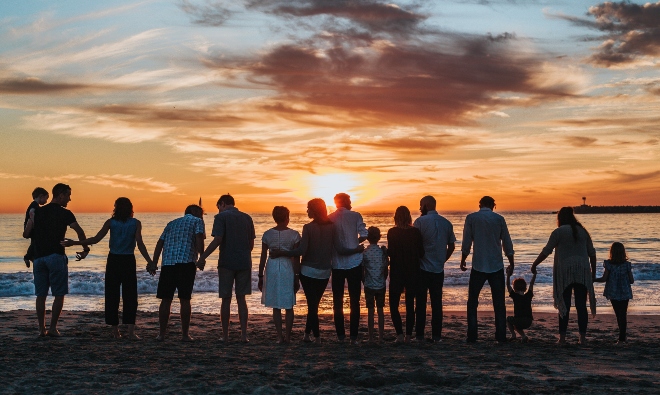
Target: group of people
329,248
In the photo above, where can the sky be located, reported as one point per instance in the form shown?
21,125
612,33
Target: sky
536,102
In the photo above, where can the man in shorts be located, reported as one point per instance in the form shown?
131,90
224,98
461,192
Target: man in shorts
47,227
233,232
181,242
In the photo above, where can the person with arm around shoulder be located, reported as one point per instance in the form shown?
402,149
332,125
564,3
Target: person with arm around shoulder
47,227
120,270
316,247
618,278
488,232
278,277
574,271
180,243
350,231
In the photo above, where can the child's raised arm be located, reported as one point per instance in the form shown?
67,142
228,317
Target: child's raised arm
531,283
508,282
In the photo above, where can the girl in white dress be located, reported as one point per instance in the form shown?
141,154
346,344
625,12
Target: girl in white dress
277,282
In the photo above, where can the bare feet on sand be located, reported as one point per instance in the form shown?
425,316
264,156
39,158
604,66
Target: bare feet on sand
399,339
525,339
115,333
53,333
187,338
160,338
133,336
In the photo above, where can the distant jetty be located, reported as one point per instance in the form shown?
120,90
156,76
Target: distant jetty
586,209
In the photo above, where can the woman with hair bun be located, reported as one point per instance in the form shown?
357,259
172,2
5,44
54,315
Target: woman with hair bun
574,271
125,233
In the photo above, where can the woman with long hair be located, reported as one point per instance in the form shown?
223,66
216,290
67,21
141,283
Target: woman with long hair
574,271
125,233
316,246
405,247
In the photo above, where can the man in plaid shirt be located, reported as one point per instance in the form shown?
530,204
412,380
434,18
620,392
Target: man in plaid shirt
181,242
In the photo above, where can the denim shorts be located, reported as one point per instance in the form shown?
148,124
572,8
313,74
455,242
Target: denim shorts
52,272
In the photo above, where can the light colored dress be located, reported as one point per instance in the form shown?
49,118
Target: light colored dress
278,277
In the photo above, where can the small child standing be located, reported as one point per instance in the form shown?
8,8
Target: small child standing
39,198
522,306
617,278
374,261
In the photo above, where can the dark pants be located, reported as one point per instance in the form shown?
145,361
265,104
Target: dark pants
120,271
412,293
621,311
313,289
431,282
496,282
580,306
354,279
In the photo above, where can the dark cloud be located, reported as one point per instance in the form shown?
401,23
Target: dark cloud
210,13
400,82
580,141
373,15
172,116
632,31
33,85
619,176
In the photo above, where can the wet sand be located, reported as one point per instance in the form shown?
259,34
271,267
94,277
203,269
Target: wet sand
87,360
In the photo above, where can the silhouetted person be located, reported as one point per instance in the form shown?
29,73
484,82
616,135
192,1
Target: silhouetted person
350,231
574,270
233,232
48,227
490,235
439,243
405,248
120,269
180,243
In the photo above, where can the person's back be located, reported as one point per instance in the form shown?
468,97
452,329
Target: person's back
237,231
617,286
122,236
318,244
405,249
489,233
437,233
567,246
349,226
375,266
179,240
50,225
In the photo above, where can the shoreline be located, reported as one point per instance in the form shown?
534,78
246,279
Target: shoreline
87,360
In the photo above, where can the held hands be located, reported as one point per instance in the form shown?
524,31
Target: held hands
260,285
509,270
463,266
201,262
533,269
296,284
152,267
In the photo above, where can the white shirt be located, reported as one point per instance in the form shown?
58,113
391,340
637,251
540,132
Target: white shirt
437,233
489,233
349,225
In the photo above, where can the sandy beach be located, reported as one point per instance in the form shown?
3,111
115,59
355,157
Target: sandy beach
87,360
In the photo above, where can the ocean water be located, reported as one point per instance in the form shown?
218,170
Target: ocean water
640,233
